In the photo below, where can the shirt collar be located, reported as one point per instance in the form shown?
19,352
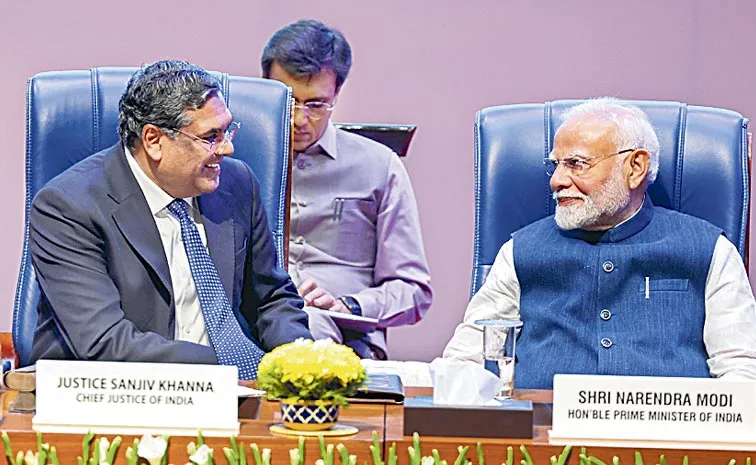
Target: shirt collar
157,198
327,142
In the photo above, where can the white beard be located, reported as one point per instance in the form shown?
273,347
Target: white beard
596,209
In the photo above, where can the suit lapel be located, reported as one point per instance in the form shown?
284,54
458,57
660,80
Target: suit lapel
133,217
219,228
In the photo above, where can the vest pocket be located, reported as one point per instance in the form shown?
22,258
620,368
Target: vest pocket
656,285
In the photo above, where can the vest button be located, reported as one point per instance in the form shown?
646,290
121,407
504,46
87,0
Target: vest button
608,267
606,342
605,314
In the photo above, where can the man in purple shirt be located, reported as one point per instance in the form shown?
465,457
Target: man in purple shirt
355,245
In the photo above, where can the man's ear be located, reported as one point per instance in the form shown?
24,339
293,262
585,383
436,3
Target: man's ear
639,162
151,136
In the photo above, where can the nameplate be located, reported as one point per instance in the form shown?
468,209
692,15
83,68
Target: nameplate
136,398
694,413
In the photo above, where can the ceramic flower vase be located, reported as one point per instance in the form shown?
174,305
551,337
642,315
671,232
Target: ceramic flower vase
308,415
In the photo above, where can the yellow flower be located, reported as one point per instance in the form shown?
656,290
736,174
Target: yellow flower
311,370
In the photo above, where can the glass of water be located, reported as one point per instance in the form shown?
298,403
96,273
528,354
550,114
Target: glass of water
499,341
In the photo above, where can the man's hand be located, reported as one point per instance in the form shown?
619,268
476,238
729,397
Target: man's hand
318,297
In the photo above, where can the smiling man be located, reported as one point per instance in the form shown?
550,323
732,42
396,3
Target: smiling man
355,245
611,284
131,247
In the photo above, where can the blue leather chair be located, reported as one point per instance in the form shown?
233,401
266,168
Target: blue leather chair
72,114
703,169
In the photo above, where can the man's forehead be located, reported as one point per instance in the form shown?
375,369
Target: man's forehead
585,133
213,114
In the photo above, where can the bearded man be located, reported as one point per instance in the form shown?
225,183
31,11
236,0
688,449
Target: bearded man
611,284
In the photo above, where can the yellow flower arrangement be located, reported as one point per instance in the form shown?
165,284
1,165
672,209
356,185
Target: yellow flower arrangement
304,370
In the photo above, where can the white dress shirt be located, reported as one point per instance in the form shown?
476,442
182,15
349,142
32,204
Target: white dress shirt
190,324
729,330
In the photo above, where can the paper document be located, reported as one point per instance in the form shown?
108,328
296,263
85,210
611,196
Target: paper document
412,373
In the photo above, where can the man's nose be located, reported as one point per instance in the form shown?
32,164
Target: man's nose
561,179
299,117
226,148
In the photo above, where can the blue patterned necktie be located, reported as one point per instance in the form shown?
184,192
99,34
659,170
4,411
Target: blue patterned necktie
231,346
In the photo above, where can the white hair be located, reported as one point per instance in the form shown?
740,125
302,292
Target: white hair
634,128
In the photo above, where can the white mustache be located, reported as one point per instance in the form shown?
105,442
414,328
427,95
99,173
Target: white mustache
568,195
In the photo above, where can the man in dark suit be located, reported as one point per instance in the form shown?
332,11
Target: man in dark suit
120,240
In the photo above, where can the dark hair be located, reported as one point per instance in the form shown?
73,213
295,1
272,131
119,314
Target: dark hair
161,94
307,47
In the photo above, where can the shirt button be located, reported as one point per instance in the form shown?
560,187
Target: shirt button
300,266
608,267
299,240
605,314
606,342
187,330
301,164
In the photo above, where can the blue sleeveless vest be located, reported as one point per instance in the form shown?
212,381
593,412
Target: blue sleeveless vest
584,304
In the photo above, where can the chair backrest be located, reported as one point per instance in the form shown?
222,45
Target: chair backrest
397,137
703,169
73,114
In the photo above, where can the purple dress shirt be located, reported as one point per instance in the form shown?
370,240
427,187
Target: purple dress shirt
355,230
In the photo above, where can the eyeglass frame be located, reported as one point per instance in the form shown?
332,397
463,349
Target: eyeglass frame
551,164
305,108
212,147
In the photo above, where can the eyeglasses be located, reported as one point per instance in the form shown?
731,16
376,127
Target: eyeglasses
215,141
313,110
578,165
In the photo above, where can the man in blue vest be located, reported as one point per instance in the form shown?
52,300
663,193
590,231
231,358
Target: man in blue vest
611,284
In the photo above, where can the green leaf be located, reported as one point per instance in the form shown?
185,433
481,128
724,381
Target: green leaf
526,455
638,458
329,454
95,459
200,439
564,455
322,446
256,454
113,449
461,459
375,451
243,453
595,461
8,448
732,462
231,456
436,457
164,460
392,457
54,456
343,454
615,460
481,457
510,455
85,446
301,447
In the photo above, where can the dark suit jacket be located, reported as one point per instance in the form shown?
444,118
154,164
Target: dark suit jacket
105,282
